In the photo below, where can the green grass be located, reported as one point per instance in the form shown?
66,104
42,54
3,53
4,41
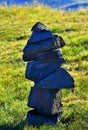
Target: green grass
15,29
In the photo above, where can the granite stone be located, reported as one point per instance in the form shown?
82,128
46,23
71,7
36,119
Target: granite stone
38,70
42,55
46,101
52,43
35,118
40,36
38,27
58,80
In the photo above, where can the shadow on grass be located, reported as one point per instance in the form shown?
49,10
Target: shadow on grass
68,119
24,123
19,126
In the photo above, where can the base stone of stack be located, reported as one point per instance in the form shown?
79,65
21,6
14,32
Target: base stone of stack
46,101
34,117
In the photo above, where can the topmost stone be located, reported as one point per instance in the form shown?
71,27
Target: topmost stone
38,27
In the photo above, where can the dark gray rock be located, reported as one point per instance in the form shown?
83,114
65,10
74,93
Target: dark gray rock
42,55
49,44
37,70
58,80
39,36
57,52
38,27
59,42
40,46
35,118
46,101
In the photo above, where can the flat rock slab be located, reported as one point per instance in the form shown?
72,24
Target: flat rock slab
54,42
37,70
46,101
35,118
41,46
58,80
42,55
40,35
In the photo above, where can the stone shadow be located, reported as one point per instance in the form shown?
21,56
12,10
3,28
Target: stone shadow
19,126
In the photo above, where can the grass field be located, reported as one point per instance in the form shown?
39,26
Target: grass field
15,25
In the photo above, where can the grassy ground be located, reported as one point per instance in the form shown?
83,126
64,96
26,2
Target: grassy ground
15,25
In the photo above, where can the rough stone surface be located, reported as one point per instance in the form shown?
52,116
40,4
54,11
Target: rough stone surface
58,80
47,102
59,42
38,27
39,36
45,45
42,55
34,117
37,70
40,46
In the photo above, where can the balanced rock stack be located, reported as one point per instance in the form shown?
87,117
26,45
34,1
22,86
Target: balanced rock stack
44,68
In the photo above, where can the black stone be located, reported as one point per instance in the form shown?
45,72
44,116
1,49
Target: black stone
40,46
46,101
35,118
37,70
40,36
42,55
59,41
38,27
58,80
49,44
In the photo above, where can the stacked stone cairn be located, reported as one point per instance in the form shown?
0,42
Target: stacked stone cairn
44,68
